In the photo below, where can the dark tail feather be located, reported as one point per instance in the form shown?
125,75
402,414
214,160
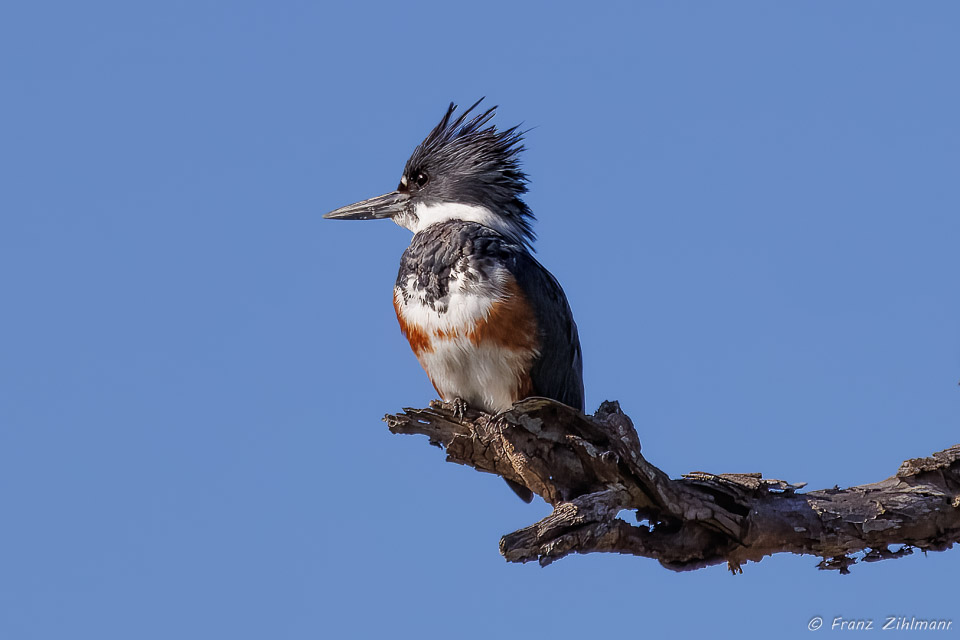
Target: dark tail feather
522,492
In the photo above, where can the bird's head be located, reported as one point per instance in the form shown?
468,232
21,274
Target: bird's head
463,170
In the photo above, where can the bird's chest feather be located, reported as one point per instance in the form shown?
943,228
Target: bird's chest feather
472,331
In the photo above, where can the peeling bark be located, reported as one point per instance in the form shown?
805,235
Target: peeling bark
589,468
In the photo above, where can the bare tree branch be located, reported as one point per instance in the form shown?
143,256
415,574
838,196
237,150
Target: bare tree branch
590,469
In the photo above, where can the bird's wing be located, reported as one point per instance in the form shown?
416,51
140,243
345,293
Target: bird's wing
558,371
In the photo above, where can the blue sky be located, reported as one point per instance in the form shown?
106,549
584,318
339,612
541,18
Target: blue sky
752,207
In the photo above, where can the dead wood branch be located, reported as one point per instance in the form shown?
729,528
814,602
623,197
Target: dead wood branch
590,469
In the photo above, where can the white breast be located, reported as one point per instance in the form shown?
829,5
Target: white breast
466,303
486,376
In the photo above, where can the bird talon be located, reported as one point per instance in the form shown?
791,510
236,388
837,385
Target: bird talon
460,408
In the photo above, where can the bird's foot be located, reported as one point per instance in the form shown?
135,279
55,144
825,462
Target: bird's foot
460,408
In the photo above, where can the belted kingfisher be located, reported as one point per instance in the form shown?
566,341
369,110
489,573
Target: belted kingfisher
489,324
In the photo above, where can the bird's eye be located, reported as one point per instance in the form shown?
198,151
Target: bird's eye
422,179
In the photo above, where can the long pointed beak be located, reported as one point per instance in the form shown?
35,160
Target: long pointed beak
385,206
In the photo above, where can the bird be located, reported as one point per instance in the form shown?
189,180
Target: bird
487,322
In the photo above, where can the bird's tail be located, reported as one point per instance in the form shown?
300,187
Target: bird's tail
522,492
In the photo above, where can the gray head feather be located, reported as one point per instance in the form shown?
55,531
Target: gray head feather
463,161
